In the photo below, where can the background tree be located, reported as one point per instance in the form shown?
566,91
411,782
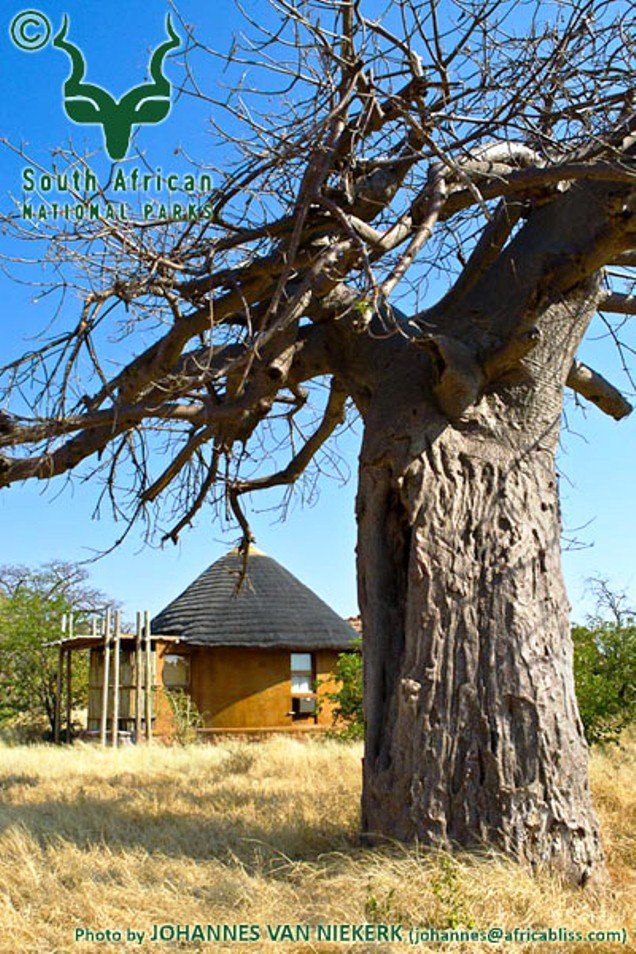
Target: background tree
362,154
187,720
32,603
605,666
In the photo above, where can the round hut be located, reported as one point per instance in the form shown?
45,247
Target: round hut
254,648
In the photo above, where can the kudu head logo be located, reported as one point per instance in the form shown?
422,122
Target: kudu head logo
147,104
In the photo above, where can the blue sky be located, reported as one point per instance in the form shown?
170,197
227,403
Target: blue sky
38,523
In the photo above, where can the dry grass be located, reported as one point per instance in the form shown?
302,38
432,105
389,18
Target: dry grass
258,833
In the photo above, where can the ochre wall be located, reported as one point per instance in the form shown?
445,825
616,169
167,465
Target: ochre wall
233,689
251,688
161,707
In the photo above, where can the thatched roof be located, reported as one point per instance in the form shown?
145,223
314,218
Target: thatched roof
273,609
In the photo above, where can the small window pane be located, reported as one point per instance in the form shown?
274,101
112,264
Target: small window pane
301,662
176,671
301,682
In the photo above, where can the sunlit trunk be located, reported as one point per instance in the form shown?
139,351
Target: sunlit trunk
473,736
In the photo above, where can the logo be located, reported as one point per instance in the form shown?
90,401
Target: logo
30,30
88,104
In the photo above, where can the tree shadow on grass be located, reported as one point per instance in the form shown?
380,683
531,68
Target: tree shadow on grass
240,837
7,782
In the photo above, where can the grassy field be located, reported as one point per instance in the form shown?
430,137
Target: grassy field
260,833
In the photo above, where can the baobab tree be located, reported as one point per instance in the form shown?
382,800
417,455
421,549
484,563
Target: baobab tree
416,214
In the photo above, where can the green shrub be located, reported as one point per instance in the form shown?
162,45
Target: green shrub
347,699
605,677
186,718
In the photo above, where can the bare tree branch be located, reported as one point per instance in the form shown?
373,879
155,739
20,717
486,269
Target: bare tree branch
618,303
377,156
596,389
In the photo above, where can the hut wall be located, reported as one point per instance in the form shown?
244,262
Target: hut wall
233,688
162,713
326,661
237,688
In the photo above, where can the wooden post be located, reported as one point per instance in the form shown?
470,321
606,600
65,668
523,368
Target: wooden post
148,677
69,688
57,722
71,628
57,695
104,713
139,683
116,663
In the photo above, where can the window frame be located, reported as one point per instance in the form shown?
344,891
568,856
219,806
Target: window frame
298,697
185,657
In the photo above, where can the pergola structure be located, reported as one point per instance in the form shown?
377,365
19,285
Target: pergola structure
107,636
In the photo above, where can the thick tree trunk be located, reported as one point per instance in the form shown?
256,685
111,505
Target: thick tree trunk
473,736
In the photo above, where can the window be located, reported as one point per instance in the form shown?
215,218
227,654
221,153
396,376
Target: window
302,673
302,686
176,671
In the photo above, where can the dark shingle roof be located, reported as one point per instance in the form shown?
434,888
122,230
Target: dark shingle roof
272,610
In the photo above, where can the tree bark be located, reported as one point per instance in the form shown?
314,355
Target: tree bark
473,736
